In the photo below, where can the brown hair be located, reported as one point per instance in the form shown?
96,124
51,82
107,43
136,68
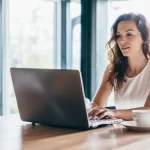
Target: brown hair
118,63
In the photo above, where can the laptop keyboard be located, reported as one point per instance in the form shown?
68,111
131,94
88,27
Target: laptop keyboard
96,122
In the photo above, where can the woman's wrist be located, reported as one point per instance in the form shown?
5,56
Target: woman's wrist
115,114
94,104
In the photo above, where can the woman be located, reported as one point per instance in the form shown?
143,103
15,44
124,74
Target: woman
129,70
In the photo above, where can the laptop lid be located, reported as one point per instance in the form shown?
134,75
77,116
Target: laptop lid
50,96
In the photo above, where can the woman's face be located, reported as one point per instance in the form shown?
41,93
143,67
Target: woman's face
129,38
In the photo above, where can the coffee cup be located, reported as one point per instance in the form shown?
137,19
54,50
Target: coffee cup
141,117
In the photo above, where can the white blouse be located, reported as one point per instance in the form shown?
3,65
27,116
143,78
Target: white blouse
134,91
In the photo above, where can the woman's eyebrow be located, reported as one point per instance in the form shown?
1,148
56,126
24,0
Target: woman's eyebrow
129,30
125,31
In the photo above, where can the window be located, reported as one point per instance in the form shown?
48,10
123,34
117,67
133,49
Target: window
75,36
29,41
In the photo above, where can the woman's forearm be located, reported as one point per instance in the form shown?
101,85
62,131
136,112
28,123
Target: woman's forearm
127,113
102,96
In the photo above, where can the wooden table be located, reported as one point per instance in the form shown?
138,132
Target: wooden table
18,135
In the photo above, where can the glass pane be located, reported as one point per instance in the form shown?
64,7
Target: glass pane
77,47
75,9
30,40
75,12
119,7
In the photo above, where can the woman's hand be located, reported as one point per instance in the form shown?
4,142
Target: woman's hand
90,106
101,113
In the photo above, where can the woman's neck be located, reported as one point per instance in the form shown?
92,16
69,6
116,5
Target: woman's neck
136,64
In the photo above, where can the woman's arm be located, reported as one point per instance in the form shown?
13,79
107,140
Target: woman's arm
103,92
127,114
100,97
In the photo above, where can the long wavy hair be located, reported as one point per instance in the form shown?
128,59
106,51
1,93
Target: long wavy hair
119,63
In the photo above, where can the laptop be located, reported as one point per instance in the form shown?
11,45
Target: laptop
53,97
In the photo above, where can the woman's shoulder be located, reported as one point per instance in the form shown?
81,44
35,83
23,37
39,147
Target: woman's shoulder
146,69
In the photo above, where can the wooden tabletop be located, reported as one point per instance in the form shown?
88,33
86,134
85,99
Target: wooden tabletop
18,135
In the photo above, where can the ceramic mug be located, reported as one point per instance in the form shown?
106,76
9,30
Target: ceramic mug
141,117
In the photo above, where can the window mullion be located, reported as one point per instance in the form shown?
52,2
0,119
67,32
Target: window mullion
63,34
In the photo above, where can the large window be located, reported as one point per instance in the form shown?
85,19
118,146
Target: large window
32,37
29,41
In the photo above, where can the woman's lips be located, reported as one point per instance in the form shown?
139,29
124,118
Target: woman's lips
125,48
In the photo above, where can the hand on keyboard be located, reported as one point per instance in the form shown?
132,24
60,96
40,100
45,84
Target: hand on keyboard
101,113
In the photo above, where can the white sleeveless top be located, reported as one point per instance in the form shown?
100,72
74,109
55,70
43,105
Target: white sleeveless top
135,91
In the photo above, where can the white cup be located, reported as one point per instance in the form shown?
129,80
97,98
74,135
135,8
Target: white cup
141,117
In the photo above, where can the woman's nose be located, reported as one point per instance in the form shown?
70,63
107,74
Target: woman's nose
123,41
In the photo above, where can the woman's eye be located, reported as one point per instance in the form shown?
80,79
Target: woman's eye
129,34
117,36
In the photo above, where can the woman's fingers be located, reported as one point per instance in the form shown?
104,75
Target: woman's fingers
103,114
106,113
95,112
98,112
91,112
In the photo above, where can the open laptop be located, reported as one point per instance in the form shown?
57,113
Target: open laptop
53,97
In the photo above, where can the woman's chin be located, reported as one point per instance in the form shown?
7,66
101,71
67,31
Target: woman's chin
125,54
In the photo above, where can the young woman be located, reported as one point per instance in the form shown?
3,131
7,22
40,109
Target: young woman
129,70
